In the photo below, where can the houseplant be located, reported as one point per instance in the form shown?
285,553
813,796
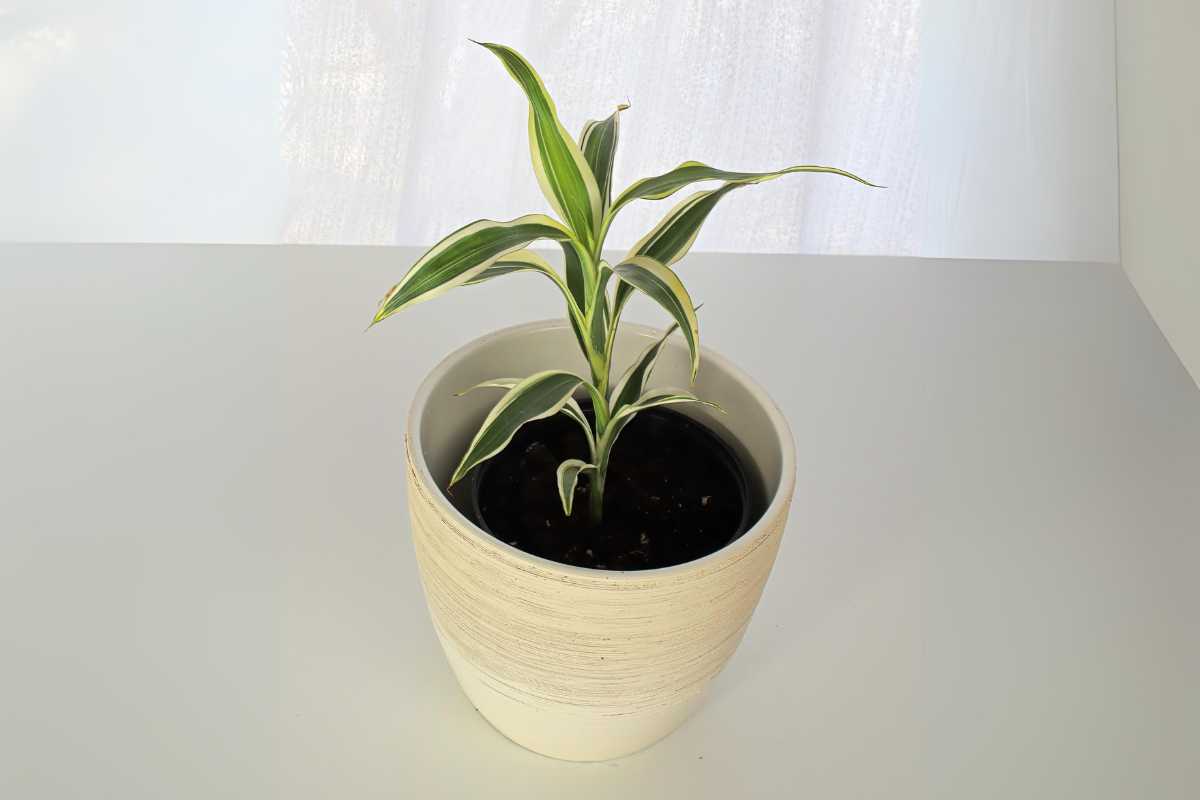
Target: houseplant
574,658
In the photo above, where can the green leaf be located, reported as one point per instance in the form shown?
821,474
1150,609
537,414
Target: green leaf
529,261
568,475
570,408
664,287
652,398
576,279
689,172
629,387
597,313
518,261
536,397
648,399
562,172
674,235
599,144
464,255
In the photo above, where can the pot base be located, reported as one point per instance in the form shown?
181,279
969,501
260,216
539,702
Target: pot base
556,732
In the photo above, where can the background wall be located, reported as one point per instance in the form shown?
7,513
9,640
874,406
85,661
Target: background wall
993,121
1160,164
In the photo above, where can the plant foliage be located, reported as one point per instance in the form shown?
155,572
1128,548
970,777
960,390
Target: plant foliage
576,178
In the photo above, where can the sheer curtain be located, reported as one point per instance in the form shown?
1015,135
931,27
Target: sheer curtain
992,122
398,129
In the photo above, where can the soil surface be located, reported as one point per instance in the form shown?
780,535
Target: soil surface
675,492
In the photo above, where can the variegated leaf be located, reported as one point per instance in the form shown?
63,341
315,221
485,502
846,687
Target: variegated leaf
630,385
463,256
689,172
653,398
675,234
570,409
562,172
573,269
597,313
649,399
529,261
599,144
536,397
663,286
518,261
568,476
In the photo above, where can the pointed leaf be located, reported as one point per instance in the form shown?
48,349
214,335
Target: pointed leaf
599,144
649,399
573,269
570,409
535,397
562,172
568,476
463,256
518,261
529,261
597,314
674,235
689,172
629,387
653,398
664,287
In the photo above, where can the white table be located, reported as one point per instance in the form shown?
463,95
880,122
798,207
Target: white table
988,589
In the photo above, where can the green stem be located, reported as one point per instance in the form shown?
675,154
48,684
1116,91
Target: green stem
596,498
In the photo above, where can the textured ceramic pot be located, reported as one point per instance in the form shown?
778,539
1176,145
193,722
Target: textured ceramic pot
576,663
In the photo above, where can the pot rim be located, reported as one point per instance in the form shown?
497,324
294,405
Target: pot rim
778,498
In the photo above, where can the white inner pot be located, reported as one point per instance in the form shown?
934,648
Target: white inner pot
579,663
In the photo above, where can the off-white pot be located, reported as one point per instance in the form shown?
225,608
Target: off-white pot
577,663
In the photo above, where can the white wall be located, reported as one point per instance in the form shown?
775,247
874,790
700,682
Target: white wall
992,121
1158,66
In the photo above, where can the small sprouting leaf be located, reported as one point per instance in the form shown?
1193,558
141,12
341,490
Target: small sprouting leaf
536,397
463,256
664,287
568,475
562,172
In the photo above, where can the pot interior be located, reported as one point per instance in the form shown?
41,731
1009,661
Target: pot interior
443,425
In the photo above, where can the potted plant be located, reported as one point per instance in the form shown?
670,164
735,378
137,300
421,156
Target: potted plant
590,556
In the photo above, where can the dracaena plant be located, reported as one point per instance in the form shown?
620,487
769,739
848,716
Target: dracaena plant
576,178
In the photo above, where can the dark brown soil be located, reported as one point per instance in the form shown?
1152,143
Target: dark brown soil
675,493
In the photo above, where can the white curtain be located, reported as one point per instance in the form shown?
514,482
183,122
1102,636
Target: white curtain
992,122
397,129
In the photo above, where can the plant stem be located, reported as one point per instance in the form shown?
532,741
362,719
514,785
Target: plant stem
596,498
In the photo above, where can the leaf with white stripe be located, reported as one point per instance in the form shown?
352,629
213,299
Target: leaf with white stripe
464,255
536,397
649,399
663,286
652,398
675,234
689,172
562,171
599,144
630,385
570,409
568,476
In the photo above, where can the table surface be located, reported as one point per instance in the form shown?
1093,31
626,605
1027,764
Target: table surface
987,589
